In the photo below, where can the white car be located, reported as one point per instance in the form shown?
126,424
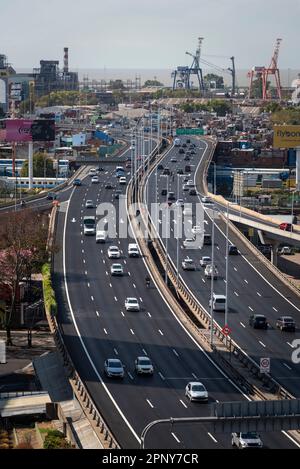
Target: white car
190,183
197,230
189,243
114,252
95,180
188,264
205,260
89,204
114,368
206,200
101,236
246,440
208,272
92,172
132,304
143,366
122,180
180,202
117,270
196,391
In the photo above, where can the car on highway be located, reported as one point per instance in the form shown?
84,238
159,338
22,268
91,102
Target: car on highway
196,391
211,271
189,243
95,180
118,193
171,197
123,180
179,171
132,304
193,152
109,186
185,188
164,192
180,202
286,323
285,251
286,226
92,172
89,225
184,145
181,151
166,172
173,160
233,250
192,192
117,270
114,368
77,182
205,260
219,302
100,169
133,250
245,440
101,236
188,264
51,196
187,158
144,366
207,239
197,229
89,204
113,252
190,183
160,167
258,321
206,200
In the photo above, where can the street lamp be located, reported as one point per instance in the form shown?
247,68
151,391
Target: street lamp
212,281
227,265
178,207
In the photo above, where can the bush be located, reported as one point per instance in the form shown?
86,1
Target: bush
48,292
56,440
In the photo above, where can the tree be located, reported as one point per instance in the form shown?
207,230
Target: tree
42,166
289,116
221,107
212,77
23,237
152,83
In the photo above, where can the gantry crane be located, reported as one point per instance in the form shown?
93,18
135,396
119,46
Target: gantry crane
182,75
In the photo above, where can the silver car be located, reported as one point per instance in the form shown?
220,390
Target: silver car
195,391
143,366
188,264
132,304
89,204
114,368
117,270
205,260
246,440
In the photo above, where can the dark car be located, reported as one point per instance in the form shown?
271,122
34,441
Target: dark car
258,321
160,167
193,152
109,186
184,145
164,192
51,196
179,171
181,151
233,250
188,141
166,172
187,158
187,168
77,182
117,194
100,169
286,323
171,196
193,192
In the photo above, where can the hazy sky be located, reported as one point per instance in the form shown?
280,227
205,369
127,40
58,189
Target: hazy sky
148,34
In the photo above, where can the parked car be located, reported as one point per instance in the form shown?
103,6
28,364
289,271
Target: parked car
179,171
160,167
166,172
173,160
114,368
245,440
197,229
164,192
109,186
196,391
188,264
181,151
143,366
258,321
192,192
286,323
189,243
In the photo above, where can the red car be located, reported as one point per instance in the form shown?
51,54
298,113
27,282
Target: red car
285,226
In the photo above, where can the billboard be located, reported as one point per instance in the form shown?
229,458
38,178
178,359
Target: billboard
22,130
286,136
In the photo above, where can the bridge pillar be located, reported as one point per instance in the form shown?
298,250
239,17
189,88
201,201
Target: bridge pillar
274,255
30,164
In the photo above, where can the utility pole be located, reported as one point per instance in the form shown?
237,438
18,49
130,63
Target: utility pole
212,282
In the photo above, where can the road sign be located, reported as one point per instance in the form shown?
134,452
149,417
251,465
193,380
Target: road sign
286,136
184,131
226,330
265,365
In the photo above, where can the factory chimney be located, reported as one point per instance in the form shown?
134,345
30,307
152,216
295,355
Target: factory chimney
66,60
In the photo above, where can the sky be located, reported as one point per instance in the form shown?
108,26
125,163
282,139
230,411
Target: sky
153,34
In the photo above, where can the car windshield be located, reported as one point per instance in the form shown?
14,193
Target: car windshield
198,388
114,365
249,435
144,362
132,301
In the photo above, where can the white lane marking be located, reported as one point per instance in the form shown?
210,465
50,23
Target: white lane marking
82,241
84,261
149,314
183,403
161,376
225,281
212,437
134,285
105,331
235,269
103,261
236,294
123,314
106,273
287,366
175,437
251,309
129,274
86,272
130,375
160,332
110,285
132,332
203,280
275,309
290,345
141,300
116,299
144,352
89,286
92,298
150,403
116,351
174,351
261,343
125,262
195,376
97,314
258,293
243,325
218,248
246,281
82,251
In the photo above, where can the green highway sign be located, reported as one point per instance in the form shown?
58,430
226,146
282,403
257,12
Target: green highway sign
184,131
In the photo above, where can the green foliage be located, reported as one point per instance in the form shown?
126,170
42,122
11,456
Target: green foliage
221,107
289,116
41,165
217,78
48,292
153,83
67,98
56,440
271,107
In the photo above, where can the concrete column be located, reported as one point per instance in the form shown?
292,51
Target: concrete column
297,169
30,164
274,256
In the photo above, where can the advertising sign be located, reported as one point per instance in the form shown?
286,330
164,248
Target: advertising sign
286,136
18,130
22,130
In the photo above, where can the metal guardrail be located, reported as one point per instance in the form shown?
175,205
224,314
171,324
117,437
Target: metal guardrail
200,314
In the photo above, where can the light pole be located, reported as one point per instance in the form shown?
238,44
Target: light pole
227,265
177,227
212,281
167,232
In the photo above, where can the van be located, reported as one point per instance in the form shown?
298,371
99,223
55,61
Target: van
101,236
219,302
133,250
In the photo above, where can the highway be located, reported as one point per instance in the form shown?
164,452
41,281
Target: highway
252,287
96,326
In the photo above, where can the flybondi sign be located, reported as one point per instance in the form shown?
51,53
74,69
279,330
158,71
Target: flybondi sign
286,136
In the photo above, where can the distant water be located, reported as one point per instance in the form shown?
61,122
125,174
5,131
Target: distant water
164,75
